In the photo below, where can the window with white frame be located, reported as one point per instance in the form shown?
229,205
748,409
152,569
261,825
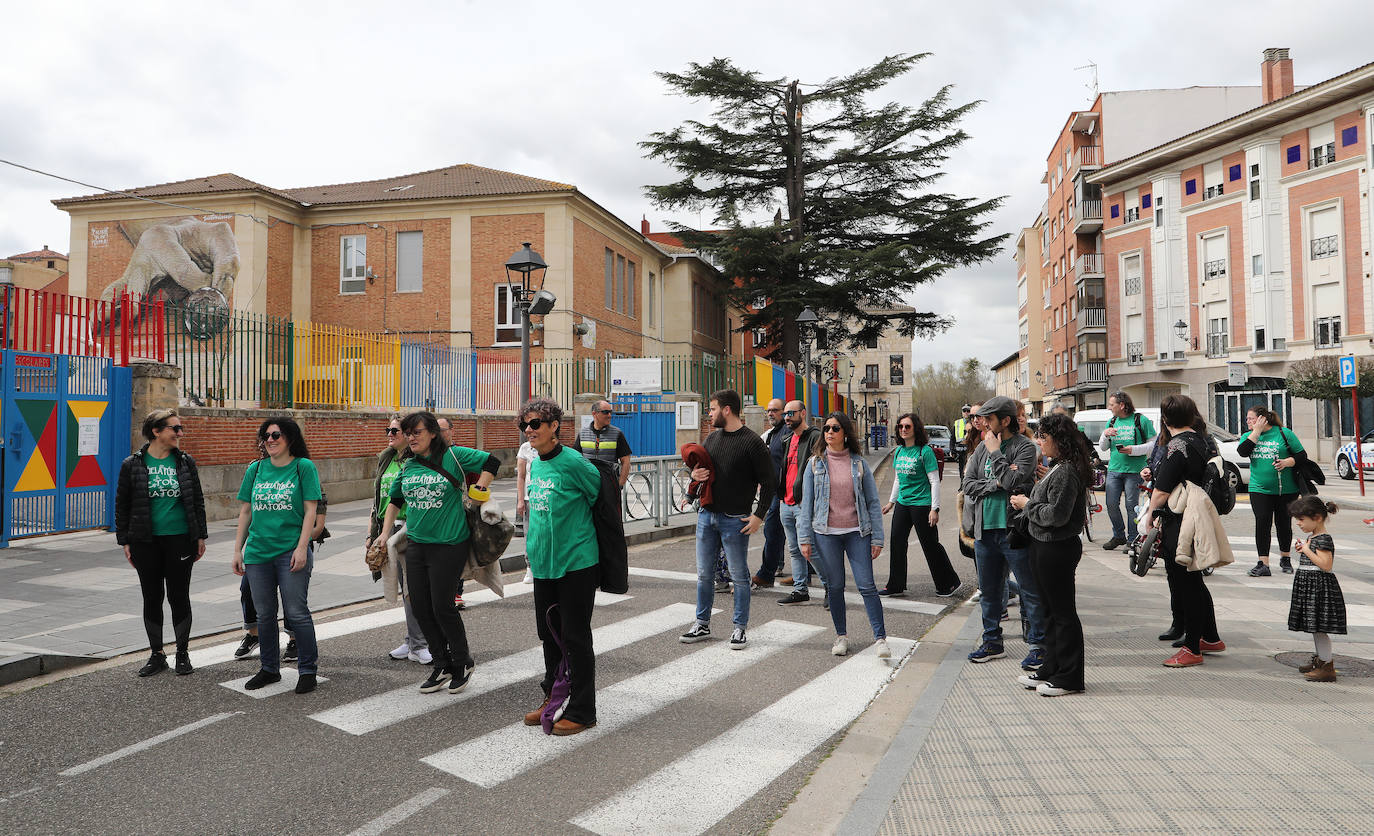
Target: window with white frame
760,337
1132,204
1213,257
1321,141
1254,181
1025,333
1323,228
353,264
1213,185
1133,283
410,263
653,299
1257,264
619,299
610,279
1326,332
1327,310
1159,210
1218,334
1021,292
630,290
507,314
1135,340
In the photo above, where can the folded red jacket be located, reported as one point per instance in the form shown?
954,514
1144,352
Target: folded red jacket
694,456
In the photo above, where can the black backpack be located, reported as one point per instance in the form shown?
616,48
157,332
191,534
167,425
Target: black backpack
1219,485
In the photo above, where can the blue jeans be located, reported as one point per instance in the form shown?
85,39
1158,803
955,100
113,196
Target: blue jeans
832,549
800,572
265,580
774,540
716,531
993,557
1117,484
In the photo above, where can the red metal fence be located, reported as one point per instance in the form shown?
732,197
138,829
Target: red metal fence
57,323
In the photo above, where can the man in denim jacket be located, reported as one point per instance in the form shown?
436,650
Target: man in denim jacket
1003,465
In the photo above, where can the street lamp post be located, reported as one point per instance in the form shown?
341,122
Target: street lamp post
526,261
806,320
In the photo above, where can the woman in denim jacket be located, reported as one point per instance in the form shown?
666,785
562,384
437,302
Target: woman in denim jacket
841,514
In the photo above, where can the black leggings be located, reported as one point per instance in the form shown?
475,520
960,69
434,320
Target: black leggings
1187,592
165,563
904,519
1272,512
433,571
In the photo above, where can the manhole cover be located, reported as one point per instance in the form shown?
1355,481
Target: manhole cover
1345,665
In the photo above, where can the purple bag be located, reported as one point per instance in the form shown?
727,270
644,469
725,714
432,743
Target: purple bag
562,686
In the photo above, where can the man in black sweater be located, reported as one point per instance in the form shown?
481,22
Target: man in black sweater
741,468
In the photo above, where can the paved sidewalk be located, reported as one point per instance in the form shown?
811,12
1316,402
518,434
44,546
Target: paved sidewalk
1242,744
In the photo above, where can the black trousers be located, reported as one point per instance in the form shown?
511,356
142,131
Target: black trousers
164,563
904,519
1271,512
1054,564
1188,591
575,595
433,570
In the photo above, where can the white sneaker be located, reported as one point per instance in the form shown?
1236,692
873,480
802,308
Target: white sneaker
401,652
529,577
884,652
841,646
421,655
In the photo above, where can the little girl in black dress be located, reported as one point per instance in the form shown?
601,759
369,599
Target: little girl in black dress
1318,606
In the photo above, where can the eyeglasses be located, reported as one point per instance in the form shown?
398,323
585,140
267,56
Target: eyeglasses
598,412
415,433
272,436
789,413
905,427
176,428
834,428
536,423
393,430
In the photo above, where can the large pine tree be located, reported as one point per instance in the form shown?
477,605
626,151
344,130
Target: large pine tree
857,220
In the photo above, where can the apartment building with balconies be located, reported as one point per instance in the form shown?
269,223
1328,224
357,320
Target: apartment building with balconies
1234,250
1029,379
1073,320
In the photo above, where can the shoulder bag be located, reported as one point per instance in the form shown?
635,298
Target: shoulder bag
489,540
1308,474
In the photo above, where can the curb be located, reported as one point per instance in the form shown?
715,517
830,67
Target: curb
17,668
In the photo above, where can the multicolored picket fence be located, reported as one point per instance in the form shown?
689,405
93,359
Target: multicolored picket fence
774,381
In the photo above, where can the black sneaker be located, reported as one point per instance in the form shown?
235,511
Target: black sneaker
794,597
438,675
246,646
183,663
460,681
1286,564
737,639
157,663
290,654
306,683
895,593
698,633
1113,543
951,593
722,587
1259,570
261,679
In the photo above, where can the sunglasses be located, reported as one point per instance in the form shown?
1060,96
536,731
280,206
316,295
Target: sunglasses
789,413
599,412
536,423
176,428
905,427
393,430
272,436
834,428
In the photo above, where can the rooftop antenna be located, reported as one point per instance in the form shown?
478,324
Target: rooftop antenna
1091,65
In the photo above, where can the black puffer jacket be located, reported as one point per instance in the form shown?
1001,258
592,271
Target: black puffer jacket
133,513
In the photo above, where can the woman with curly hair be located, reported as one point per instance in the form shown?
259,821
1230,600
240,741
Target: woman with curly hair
1055,511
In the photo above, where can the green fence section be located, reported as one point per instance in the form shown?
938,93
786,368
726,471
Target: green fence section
230,358
564,379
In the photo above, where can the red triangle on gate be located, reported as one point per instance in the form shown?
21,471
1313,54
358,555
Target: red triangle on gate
87,474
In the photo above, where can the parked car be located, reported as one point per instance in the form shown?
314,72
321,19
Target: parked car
1345,457
941,438
1093,421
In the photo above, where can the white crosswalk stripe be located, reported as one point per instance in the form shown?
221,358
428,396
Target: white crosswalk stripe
382,710
851,598
289,676
699,789
500,755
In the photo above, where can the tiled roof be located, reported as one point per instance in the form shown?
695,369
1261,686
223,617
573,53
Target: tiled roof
451,182
454,181
37,255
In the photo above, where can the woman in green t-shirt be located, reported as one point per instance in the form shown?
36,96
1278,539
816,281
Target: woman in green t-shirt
1274,452
389,462
437,528
916,498
160,522
279,496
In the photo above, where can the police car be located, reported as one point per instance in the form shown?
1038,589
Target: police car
1345,457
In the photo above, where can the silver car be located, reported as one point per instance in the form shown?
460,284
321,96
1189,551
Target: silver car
941,437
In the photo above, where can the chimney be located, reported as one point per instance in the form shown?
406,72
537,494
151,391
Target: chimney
1276,75
643,225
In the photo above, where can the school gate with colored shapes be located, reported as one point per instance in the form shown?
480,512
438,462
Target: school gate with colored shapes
66,423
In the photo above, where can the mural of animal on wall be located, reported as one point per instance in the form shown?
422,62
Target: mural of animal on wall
177,257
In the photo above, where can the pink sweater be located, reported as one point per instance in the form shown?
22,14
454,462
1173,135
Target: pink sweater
843,513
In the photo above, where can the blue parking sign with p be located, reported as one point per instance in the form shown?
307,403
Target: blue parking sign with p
1350,376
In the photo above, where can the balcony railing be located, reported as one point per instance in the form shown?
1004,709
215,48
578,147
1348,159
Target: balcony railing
1218,345
1135,354
1133,285
1091,264
1092,318
1214,191
1087,216
1132,214
1214,270
1325,247
1090,155
1093,371
1322,155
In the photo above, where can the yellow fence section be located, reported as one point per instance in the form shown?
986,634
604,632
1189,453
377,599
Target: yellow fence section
343,368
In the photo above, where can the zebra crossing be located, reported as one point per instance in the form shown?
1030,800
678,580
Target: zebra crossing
692,793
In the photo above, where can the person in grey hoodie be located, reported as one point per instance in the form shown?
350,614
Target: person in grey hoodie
1055,511
1002,465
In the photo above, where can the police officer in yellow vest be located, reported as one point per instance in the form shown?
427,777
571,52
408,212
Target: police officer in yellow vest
601,440
960,432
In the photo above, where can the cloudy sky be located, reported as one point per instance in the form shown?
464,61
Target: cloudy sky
299,94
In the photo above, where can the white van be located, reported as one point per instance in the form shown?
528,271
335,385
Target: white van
1093,421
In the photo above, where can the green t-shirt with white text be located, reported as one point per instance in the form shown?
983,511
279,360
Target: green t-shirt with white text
1264,477
560,535
434,510
393,469
1126,434
913,466
164,496
277,496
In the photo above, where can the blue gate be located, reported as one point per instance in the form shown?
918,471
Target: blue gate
648,422
65,423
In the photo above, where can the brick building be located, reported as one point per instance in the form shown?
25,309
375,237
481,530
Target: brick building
419,254
1245,243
